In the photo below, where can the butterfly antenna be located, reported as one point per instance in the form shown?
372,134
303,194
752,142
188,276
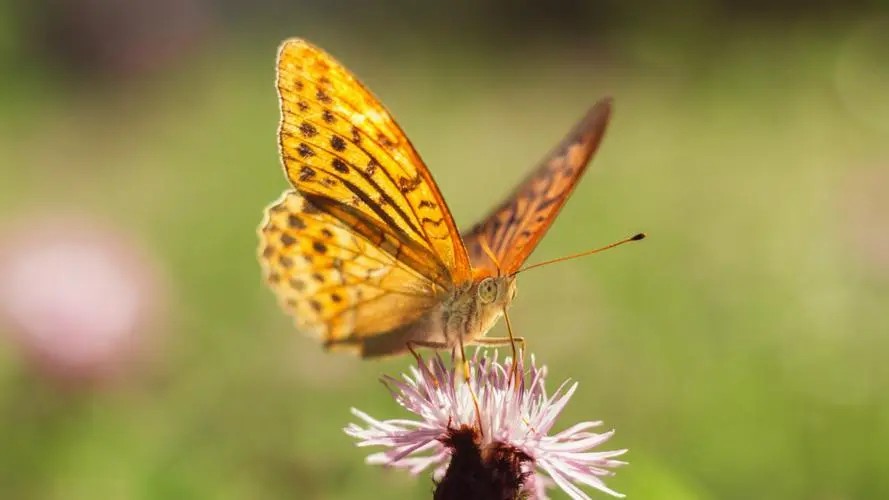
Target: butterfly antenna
636,237
490,254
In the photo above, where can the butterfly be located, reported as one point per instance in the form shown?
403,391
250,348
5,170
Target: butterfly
363,251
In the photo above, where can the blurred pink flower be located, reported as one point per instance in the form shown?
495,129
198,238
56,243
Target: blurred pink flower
514,435
78,299
864,213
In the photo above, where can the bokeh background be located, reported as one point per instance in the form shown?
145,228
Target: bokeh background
739,352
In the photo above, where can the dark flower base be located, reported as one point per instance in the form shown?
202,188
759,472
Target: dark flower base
493,472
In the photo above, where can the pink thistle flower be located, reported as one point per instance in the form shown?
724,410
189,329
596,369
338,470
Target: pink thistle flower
514,440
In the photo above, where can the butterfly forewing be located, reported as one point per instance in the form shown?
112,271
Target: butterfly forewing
336,284
513,229
344,152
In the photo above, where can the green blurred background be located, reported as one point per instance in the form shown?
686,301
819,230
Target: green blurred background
739,352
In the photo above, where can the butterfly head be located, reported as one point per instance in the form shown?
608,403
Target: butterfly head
476,309
496,291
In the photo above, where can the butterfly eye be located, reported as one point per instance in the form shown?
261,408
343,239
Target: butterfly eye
487,290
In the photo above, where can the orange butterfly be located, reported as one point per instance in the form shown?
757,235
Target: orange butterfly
364,251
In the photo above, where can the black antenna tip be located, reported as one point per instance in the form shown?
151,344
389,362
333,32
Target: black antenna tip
640,236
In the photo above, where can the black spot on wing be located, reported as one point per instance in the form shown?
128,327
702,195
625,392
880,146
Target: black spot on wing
322,96
340,166
295,222
372,165
306,173
287,240
308,130
337,143
305,150
407,185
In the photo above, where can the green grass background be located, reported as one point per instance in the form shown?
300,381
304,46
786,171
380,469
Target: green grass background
739,352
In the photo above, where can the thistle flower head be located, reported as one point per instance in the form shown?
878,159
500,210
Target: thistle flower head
506,446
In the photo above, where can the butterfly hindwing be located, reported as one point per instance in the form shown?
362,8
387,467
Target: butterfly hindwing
513,229
341,148
331,280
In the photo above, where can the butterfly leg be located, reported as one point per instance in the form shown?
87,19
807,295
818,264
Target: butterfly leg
500,341
411,344
466,377
515,373
512,342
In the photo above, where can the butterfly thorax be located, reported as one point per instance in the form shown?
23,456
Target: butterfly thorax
473,309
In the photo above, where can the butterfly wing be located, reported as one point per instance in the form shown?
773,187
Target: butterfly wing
335,283
343,151
513,229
